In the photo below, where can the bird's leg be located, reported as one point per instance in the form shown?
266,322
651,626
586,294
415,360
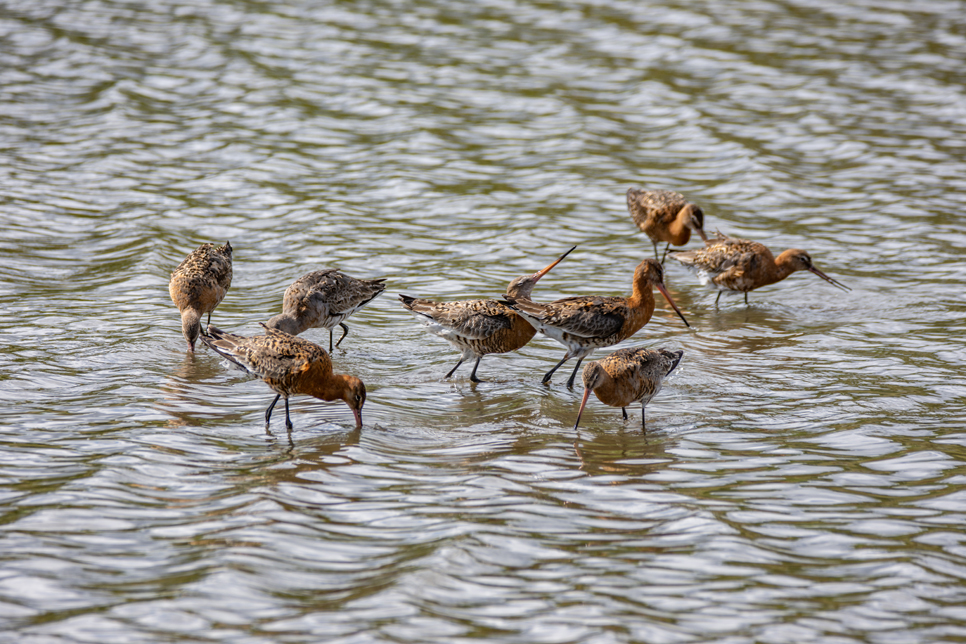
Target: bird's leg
473,375
624,411
570,383
717,298
746,297
330,340
655,249
268,412
453,370
345,332
209,319
288,421
549,374
665,253
643,425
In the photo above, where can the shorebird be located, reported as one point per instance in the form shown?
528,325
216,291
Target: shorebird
585,323
626,376
324,299
289,365
199,285
665,216
739,265
480,327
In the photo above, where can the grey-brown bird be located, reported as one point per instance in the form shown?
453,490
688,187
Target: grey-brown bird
585,323
627,376
289,365
665,216
740,265
324,298
480,327
199,285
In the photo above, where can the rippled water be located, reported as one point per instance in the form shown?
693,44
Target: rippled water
803,475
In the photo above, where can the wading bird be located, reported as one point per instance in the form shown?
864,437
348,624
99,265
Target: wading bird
626,376
665,216
740,265
324,299
199,285
480,327
585,323
289,365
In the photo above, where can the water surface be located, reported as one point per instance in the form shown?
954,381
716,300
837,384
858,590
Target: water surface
802,476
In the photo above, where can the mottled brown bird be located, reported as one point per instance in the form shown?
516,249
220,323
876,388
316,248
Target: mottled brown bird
324,299
739,265
626,376
199,285
665,216
480,327
585,323
289,365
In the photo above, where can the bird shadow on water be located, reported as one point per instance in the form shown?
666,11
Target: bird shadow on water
622,448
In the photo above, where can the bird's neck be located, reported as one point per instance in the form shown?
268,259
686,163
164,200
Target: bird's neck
285,322
782,268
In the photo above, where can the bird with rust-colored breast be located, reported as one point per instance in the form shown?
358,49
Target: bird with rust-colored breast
480,327
198,285
627,376
289,365
585,323
324,299
665,216
729,264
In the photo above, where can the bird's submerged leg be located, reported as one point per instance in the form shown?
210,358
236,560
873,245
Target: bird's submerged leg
570,382
268,412
549,374
473,375
345,332
288,421
624,411
453,370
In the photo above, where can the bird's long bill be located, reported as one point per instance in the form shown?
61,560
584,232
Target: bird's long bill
704,236
358,414
829,279
674,306
583,403
544,271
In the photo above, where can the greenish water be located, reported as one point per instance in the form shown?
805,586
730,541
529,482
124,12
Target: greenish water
803,478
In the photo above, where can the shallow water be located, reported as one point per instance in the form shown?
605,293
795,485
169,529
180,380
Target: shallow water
802,477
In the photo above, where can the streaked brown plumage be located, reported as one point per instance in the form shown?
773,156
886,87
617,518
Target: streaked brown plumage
480,327
740,265
585,323
289,365
199,285
665,216
324,299
626,376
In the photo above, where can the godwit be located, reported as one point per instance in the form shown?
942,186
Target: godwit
739,265
665,216
585,323
199,285
480,327
289,365
626,376
324,299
